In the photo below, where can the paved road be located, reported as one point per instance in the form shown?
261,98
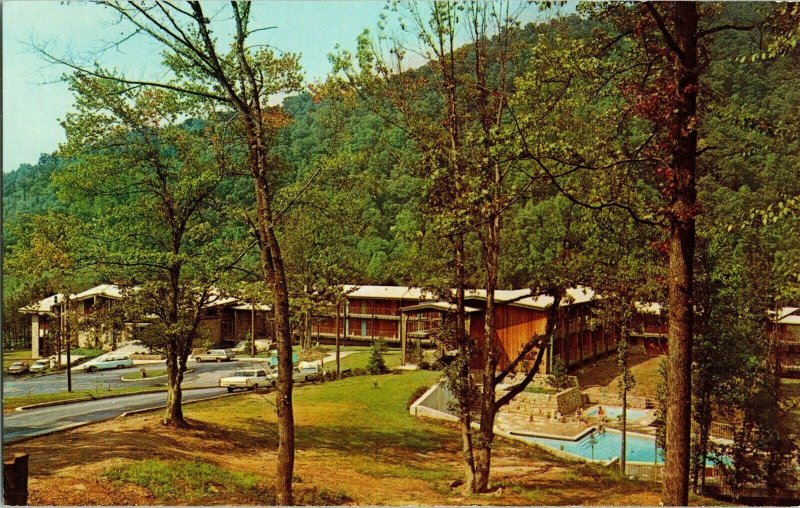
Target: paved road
35,422
204,374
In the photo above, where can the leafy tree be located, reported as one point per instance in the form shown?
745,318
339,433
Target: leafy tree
657,55
238,80
146,189
47,259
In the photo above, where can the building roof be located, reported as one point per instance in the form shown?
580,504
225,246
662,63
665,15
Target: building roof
387,292
788,316
223,301
43,306
573,296
439,306
649,308
248,306
793,320
105,290
516,297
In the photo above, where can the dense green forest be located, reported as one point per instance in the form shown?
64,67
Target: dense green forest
366,200
366,188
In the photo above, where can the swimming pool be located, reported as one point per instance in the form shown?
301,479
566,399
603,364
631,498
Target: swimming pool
606,446
615,413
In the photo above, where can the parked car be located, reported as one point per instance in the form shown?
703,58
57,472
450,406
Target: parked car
240,347
18,368
108,362
40,365
249,379
306,374
214,355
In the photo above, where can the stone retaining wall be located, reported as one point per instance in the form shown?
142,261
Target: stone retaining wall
544,404
614,399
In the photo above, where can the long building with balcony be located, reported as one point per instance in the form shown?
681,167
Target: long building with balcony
404,316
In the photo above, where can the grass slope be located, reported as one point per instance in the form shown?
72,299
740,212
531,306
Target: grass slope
356,444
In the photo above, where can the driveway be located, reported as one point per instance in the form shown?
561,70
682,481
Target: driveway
35,422
203,375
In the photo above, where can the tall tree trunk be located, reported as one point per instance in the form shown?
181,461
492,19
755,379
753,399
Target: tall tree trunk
173,414
623,448
681,257
488,404
275,274
464,352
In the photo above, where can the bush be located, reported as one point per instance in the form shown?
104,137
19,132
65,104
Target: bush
248,343
438,365
558,379
376,363
419,392
419,357
320,496
424,365
358,371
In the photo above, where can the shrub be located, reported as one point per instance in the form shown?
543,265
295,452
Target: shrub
320,496
376,363
419,357
248,343
558,379
419,392
438,365
358,371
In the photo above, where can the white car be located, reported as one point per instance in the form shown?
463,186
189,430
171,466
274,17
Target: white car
248,379
108,362
214,355
306,373
40,365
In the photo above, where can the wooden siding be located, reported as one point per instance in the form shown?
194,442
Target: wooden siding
515,328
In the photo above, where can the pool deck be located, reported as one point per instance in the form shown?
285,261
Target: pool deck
523,425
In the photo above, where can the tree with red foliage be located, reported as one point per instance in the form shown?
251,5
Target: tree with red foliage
642,157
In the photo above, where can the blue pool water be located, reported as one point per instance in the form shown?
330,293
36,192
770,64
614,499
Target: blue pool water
639,448
615,412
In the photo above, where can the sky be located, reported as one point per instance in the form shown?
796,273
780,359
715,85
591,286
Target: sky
35,100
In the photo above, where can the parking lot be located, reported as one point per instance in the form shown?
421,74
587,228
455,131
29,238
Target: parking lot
203,374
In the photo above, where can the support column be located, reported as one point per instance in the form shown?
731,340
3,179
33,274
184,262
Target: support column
581,327
403,333
34,335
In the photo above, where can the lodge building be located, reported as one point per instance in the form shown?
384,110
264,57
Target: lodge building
226,320
403,316
787,327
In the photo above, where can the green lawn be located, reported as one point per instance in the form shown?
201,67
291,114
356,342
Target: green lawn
343,415
87,352
359,359
151,373
16,356
355,443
